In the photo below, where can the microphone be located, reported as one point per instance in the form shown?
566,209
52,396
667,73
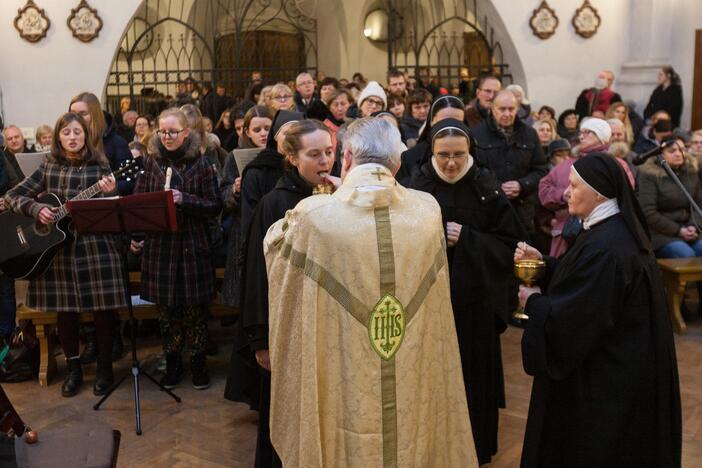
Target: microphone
641,158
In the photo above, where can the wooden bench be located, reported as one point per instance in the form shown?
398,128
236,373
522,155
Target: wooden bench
45,324
677,272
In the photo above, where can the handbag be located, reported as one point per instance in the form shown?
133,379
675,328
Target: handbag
19,355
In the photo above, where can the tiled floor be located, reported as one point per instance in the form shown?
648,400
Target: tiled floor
207,431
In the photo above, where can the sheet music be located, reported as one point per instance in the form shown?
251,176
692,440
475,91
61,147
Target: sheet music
30,162
244,156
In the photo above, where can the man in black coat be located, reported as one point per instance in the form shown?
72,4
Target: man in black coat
305,96
220,103
512,151
478,110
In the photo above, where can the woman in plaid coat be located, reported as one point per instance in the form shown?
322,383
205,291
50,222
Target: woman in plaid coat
176,269
86,274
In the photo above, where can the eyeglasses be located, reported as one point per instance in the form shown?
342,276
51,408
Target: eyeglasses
375,102
696,142
169,133
456,157
283,98
586,132
305,83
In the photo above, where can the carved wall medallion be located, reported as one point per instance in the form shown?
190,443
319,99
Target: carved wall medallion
586,20
84,22
544,21
31,22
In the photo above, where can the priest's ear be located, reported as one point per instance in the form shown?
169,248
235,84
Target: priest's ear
346,162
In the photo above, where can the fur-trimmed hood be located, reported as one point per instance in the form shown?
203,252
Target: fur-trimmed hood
652,166
191,144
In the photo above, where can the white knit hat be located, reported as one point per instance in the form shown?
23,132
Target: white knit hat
599,127
373,89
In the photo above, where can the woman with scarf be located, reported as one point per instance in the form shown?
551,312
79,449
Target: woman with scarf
598,340
594,137
338,103
482,230
176,268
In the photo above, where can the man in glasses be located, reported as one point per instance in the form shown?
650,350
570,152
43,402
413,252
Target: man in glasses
478,109
305,95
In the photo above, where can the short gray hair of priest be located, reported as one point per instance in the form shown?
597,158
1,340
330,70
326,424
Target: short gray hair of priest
374,140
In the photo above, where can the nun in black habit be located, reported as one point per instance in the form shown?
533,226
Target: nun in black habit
599,341
482,231
444,107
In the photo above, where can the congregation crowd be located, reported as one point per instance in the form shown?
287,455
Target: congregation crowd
499,169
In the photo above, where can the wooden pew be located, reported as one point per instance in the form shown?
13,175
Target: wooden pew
45,323
677,272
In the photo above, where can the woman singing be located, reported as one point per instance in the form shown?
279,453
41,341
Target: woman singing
86,274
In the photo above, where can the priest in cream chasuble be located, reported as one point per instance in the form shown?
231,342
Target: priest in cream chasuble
365,364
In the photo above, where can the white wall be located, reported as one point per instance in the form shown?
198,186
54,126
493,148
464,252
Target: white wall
38,80
558,68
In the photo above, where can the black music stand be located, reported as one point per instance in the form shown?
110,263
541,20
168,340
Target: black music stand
144,212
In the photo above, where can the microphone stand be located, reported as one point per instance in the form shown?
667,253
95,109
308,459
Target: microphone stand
674,177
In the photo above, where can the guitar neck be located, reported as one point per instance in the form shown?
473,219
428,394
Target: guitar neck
90,192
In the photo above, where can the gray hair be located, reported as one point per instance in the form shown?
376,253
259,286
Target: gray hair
615,122
373,140
302,76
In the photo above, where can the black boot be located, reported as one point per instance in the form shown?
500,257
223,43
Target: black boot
198,370
103,378
90,352
74,379
174,371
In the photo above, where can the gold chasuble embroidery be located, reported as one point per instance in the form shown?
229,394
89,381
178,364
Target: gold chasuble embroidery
386,326
392,309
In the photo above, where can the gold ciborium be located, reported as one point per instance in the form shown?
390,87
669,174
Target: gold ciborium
529,272
323,189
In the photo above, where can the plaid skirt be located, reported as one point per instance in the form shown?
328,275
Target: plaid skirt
85,276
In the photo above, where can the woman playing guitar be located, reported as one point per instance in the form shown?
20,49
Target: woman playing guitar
86,274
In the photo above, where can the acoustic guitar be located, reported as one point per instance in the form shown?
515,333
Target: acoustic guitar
28,246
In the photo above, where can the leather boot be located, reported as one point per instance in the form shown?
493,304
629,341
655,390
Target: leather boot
103,378
174,371
198,370
74,379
